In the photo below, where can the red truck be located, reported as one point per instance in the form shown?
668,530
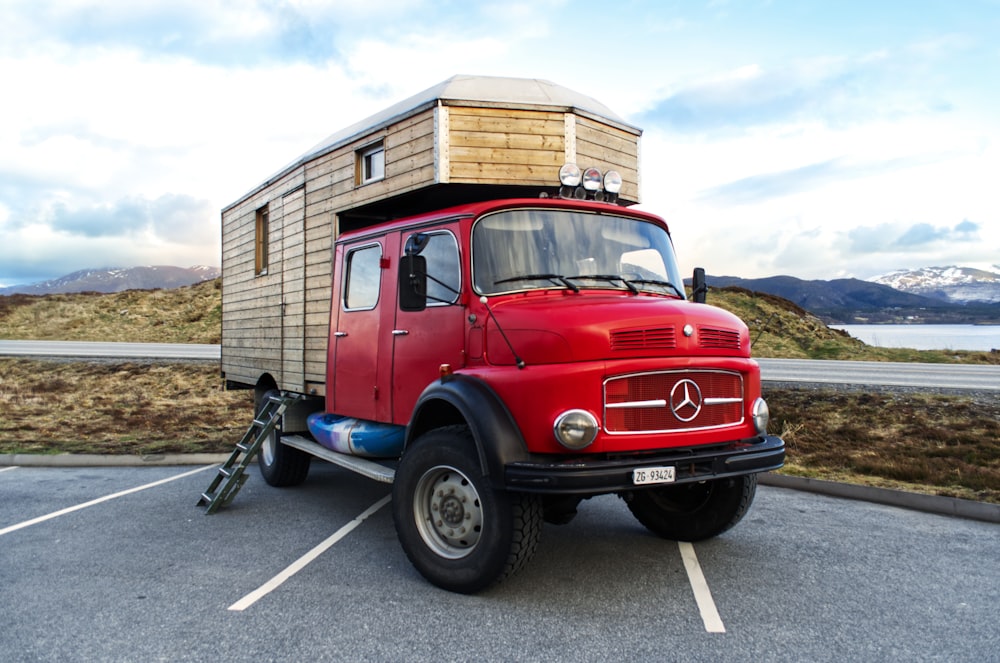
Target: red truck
503,359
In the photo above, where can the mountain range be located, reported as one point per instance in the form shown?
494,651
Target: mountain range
951,284
956,295
112,279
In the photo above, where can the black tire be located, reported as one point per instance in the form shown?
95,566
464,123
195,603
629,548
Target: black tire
694,511
280,465
484,536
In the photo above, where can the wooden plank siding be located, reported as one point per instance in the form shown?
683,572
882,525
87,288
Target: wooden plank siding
251,303
502,146
609,148
293,287
278,323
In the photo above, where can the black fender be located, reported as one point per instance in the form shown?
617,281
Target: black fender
462,399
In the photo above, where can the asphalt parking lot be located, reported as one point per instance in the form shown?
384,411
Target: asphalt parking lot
94,569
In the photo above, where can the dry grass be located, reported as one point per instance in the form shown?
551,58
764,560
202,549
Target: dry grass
946,445
118,408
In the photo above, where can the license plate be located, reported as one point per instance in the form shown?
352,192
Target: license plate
648,475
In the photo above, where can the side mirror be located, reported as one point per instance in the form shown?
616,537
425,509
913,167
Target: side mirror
699,288
413,283
415,244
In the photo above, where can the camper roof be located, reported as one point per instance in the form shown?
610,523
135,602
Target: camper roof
469,91
477,91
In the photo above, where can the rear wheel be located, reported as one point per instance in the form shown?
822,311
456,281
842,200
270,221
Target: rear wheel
694,511
280,465
460,532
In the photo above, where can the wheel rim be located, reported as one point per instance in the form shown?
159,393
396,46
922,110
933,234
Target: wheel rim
267,449
269,445
448,512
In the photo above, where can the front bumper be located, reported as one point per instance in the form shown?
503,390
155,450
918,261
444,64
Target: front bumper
612,473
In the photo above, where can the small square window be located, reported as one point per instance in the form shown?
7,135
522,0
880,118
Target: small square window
371,163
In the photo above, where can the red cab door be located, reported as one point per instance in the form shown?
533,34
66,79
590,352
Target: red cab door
361,362
424,340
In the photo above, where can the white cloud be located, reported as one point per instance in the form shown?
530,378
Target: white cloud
763,149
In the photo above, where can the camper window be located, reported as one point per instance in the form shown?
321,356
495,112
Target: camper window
260,241
371,163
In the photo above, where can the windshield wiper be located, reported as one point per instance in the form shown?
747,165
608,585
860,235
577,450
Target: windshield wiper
667,284
549,277
609,277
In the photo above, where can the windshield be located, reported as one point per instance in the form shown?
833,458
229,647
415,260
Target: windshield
544,248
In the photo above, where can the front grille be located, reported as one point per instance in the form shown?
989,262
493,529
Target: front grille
718,339
659,338
672,401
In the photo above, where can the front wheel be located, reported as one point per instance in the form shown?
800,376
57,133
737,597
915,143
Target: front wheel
460,532
693,511
280,465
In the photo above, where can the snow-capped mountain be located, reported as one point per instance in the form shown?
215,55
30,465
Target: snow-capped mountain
114,279
951,284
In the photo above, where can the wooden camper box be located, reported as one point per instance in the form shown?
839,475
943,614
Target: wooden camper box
468,138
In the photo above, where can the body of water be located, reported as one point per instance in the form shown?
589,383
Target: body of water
927,337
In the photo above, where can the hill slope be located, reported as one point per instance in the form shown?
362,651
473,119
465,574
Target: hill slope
191,314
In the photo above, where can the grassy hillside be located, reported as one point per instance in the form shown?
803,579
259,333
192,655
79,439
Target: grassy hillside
192,314
943,444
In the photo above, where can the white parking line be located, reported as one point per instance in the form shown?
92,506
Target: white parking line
303,561
702,594
63,512
6,469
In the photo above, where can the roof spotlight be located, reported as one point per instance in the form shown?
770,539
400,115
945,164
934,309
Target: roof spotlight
569,174
612,181
592,179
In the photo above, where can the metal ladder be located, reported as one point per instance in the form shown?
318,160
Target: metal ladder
231,474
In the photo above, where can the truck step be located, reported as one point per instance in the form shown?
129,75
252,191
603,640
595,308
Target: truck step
362,466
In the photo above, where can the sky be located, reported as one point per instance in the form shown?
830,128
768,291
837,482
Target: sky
810,138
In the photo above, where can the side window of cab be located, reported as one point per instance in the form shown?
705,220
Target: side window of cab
443,270
361,286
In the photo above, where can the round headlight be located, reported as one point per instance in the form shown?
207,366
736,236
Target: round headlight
612,181
592,179
575,429
761,415
569,174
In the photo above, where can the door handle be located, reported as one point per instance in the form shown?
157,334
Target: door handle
399,332
339,334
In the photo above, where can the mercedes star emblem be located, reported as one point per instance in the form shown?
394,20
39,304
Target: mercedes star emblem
685,400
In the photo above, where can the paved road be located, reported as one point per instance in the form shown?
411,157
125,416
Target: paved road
112,350
946,376
146,576
936,376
